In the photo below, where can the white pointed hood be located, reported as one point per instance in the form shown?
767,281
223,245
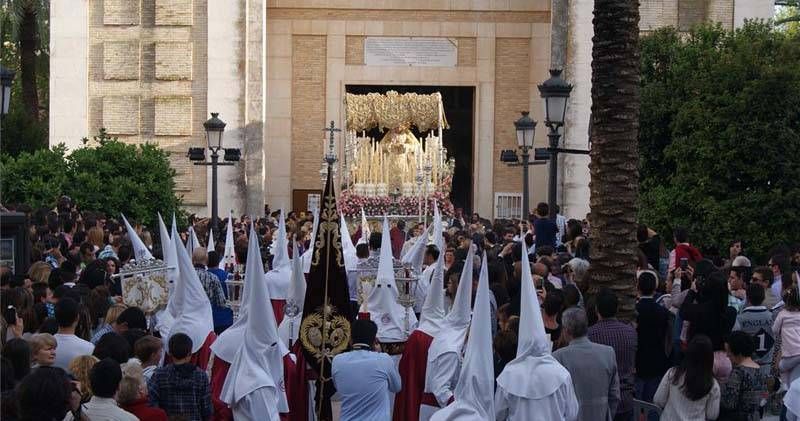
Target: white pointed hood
533,348
432,313
259,360
365,231
191,303
290,326
140,251
438,228
228,342
349,250
211,244
310,251
382,303
416,253
166,317
474,393
455,325
192,242
279,251
229,256
280,277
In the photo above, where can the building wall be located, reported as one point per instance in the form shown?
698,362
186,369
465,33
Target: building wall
147,69
514,34
276,70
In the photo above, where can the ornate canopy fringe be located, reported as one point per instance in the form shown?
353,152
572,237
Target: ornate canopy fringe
394,111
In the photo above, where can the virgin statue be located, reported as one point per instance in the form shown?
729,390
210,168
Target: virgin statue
400,147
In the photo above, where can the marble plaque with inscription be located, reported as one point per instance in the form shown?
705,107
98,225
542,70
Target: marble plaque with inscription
410,51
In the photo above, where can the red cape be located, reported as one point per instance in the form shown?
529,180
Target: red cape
412,368
297,386
277,309
398,238
219,371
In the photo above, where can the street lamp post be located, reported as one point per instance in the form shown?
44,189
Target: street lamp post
6,80
525,128
214,129
555,92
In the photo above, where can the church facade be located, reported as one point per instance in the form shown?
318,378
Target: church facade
277,72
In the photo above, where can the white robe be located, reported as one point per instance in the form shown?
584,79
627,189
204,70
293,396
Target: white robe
423,285
260,404
442,376
561,405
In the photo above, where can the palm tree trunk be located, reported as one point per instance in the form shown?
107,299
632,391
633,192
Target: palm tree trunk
614,166
29,43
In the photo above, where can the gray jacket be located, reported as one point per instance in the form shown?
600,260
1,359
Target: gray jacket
593,368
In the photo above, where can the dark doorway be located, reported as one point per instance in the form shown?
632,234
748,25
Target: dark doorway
458,139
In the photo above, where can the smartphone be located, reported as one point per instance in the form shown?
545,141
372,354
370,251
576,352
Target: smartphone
684,263
10,314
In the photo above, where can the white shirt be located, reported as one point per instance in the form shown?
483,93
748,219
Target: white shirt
105,409
147,372
562,405
365,380
68,347
442,377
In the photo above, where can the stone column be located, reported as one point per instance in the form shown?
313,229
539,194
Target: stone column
69,75
575,179
255,113
225,95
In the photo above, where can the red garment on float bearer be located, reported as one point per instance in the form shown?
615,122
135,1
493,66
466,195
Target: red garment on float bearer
297,385
219,371
277,309
398,238
288,373
201,357
412,368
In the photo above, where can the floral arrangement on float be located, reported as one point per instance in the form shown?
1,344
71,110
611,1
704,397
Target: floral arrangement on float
350,204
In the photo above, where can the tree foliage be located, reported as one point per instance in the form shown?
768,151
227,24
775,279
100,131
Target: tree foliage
24,36
720,134
107,175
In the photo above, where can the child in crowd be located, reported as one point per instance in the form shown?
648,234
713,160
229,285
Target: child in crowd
181,388
787,325
148,351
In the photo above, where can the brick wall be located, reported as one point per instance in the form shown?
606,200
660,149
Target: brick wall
121,114
147,66
173,116
309,53
173,12
354,50
511,95
657,13
121,60
173,60
721,11
690,13
121,12
467,51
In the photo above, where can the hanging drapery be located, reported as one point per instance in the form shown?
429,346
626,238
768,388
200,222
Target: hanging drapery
394,111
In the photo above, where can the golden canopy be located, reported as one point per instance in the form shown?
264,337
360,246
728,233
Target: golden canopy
394,111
